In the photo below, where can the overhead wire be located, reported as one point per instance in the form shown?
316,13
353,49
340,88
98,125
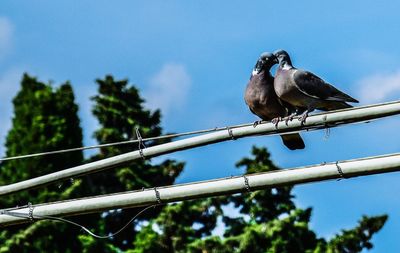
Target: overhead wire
47,217
317,121
200,189
167,136
157,194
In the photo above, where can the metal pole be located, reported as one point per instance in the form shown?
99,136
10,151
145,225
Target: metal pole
318,121
217,187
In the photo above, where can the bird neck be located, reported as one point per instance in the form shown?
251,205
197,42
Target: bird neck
286,64
257,71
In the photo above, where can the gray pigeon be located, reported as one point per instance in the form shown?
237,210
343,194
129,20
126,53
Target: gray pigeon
261,98
306,91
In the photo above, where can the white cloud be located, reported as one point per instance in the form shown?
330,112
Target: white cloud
168,89
379,87
9,85
6,34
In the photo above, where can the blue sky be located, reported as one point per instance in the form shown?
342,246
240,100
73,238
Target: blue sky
193,60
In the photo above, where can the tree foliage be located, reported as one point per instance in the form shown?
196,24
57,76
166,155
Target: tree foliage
119,109
268,221
44,119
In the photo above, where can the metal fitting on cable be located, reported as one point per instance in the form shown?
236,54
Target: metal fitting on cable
30,213
158,197
340,171
141,143
231,133
246,183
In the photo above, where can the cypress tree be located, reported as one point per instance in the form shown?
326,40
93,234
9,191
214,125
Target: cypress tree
119,110
45,119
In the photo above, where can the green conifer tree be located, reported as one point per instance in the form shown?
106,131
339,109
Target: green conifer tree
44,119
119,110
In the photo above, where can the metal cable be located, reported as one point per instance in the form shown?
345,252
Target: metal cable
141,143
142,140
167,136
32,217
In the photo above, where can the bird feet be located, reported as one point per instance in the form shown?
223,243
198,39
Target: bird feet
289,118
275,121
256,123
303,118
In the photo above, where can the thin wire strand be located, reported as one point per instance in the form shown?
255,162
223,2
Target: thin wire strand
45,217
167,136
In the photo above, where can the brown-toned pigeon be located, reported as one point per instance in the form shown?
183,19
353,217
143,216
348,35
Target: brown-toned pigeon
306,91
262,100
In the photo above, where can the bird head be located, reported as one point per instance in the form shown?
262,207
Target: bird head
265,62
283,58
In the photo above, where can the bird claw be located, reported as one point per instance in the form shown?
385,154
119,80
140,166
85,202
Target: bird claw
256,123
275,121
303,118
289,118
287,121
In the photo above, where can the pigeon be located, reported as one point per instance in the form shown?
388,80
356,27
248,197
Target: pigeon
262,100
306,91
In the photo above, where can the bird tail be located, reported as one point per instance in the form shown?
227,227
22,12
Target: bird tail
293,141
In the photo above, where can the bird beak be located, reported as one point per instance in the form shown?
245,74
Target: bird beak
276,61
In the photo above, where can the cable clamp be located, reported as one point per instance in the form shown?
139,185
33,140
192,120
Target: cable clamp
141,143
231,133
158,198
340,171
30,213
246,183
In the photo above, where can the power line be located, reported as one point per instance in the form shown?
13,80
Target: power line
318,121
161,137
202,189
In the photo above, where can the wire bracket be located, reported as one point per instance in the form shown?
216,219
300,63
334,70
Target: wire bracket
340,171
30,212
141,143
231,133
158,197
246,183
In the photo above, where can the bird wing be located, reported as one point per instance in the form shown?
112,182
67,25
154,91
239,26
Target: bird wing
313,86
252,111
